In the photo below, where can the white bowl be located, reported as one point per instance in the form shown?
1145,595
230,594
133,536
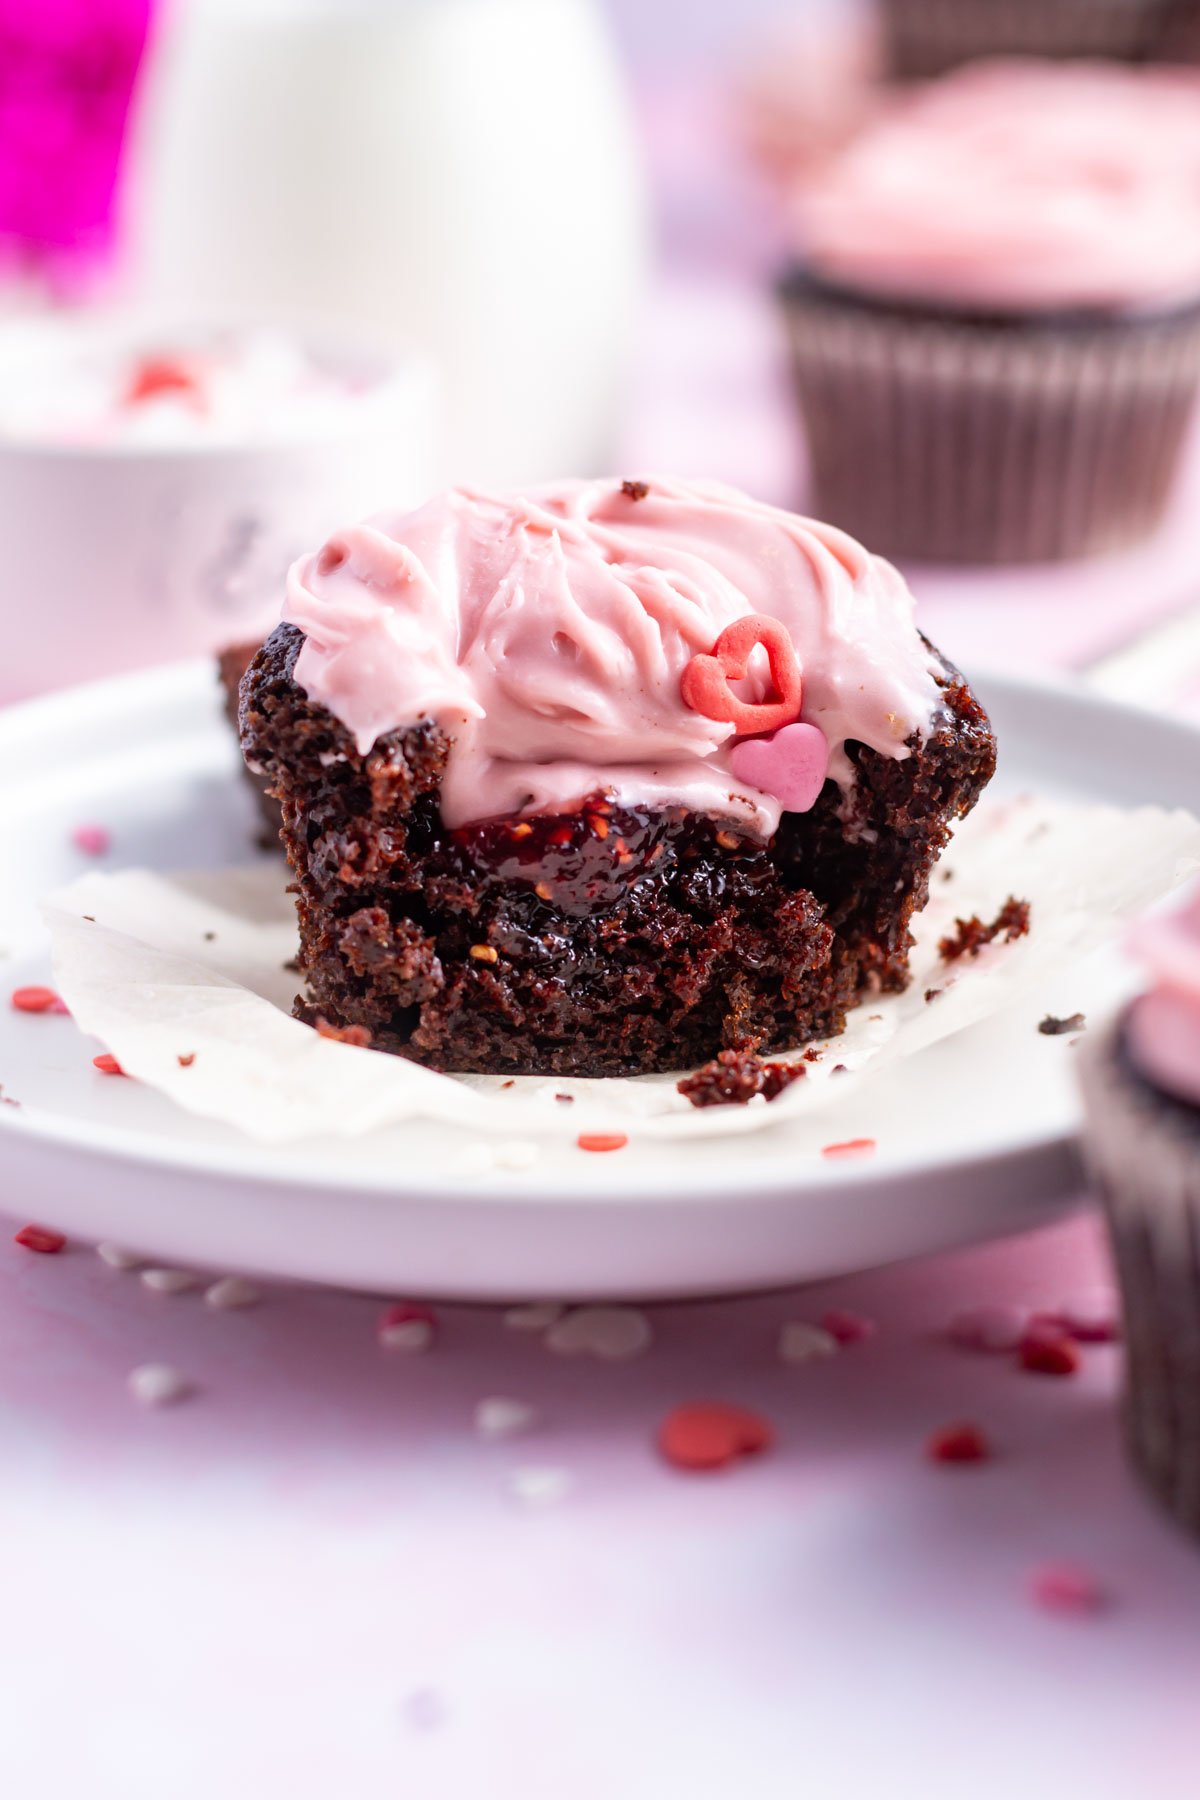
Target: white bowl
116,555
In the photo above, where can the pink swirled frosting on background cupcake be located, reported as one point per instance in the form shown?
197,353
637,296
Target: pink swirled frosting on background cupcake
549,632
1163,1027
1022,186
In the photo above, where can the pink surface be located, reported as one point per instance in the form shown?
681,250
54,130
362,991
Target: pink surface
312,1578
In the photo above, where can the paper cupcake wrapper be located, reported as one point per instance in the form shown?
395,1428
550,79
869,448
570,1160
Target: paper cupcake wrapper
923,38
1144,1151
942,438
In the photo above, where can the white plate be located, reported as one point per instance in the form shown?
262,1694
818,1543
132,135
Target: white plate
975,1135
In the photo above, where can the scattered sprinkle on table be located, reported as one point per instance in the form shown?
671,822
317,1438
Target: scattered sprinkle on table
117,1258
611,1333
158,1384
407,1327
958,1443
539,1486
93,840
499,1417
602,1140
169,1281
1069,1588
185,1061
231,1293
852,1147
36,1000
1043,1354
107,1063
1052,1027
538,1316
1091,1318
847,1327
800,1342
994,1329
711,1434
41,1239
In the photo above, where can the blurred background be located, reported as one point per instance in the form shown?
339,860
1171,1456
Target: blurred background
265,264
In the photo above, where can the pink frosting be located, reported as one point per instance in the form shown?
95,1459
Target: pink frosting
548,634
1164,1025
1019,185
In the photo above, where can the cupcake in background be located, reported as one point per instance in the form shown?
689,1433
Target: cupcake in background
1141,1088
923,38
994,312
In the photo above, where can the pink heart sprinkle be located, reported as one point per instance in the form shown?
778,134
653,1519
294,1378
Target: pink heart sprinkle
790,764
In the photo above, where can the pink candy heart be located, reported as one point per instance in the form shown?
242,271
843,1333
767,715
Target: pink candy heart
790,764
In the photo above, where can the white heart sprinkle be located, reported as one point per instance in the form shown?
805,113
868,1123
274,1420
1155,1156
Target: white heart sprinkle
538,1317
539,1486
800,1342
169,1281
411,1335
157,1384
230,1293
116,1258
612,1333
498,1417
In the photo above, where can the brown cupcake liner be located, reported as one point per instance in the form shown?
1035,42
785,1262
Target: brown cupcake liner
966,438
1144,1152
923,38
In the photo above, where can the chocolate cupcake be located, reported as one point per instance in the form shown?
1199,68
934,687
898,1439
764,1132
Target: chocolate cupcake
1141,1087
995,317
604,778
923,38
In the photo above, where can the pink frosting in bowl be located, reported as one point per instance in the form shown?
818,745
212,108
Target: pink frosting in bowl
548,633
1163,1026
1019,186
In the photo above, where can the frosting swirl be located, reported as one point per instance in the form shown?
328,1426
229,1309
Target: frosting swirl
548,633
1163,1027
1019,186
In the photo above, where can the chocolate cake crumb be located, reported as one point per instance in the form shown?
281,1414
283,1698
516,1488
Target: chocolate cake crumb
1052,1027
210,937
933,994
567,1099
635,490
970,936
734,1078
90,917
357,1035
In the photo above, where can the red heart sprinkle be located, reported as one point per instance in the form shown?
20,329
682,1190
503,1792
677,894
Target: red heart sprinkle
1067,1588
602,1140
41,1239
961,1443
36,1000
1046,1355
847,1327
157,375
851,1147
704,684
709,1434
107,1063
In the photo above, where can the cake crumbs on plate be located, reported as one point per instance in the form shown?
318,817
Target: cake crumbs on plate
40,1238
1055,1027
611,1333
735,1077
970,936
635,490
705,1435
158,1384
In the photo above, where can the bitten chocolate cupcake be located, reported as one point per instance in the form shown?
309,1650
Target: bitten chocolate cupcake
604,777
995,313
923,38
1141,1086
